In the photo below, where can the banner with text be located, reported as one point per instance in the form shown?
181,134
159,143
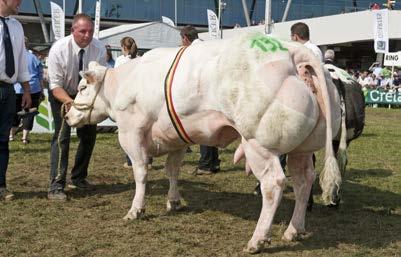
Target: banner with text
58,24
380,30
392,59
382,97
97,20
214,25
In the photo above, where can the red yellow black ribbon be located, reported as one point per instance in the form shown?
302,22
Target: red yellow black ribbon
168,83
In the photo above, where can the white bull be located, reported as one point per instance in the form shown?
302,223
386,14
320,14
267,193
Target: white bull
247,88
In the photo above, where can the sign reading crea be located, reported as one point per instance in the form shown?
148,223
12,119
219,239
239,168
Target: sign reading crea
392,59
382,97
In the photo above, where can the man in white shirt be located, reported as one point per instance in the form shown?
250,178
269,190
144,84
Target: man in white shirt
300,33
209,162
67,57
13,68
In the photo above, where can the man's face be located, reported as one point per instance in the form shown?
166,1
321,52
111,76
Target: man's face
10,7
82,32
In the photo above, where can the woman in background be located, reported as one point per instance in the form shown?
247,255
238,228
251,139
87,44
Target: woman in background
129,51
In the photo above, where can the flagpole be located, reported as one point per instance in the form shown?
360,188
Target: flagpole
219,18
80,6
175,12
287,9
268,17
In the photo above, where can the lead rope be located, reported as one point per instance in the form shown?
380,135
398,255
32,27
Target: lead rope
62,114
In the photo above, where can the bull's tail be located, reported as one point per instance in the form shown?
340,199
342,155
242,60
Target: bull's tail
330,177
342,149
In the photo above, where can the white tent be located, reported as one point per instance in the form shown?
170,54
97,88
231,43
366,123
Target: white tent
147,35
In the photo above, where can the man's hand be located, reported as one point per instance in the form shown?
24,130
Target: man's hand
26,100
26,97
67,105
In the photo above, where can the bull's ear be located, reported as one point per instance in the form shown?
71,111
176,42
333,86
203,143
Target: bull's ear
89,75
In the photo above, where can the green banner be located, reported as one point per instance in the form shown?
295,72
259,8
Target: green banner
373,96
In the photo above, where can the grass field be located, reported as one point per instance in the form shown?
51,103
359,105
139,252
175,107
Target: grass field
221,211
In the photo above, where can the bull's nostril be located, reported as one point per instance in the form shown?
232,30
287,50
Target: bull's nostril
66,117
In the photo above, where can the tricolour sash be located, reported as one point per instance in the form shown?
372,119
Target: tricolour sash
168,83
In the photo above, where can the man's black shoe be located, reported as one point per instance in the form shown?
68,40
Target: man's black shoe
81,184
57,195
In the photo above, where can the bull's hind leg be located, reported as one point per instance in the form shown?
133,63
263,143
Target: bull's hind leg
303,175
173,164
267,169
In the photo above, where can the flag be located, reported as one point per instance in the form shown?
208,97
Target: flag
214,25
58,24
97,20
380,30
168,21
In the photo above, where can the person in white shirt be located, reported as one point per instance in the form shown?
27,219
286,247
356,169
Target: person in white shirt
300,33
13,68
67,57
209,161
365,80
129,51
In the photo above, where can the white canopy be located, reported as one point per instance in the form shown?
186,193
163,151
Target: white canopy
147,35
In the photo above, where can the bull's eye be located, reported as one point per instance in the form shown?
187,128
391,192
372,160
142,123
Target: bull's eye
81,87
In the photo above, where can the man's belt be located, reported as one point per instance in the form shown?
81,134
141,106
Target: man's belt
5,84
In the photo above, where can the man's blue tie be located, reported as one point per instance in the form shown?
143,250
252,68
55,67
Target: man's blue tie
8,49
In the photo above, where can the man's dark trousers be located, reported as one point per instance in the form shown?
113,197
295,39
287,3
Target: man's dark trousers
59,163
209,159
7,112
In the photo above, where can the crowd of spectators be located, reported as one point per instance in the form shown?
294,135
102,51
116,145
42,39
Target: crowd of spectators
376,77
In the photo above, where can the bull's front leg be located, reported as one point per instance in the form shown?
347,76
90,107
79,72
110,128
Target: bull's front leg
133,144
303,175
173,164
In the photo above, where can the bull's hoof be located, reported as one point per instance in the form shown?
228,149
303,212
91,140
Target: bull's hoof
254,249
135,214
291,234
173,206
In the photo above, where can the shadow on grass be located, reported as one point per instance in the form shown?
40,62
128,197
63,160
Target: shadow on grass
369,135
100,189
363,210
357,173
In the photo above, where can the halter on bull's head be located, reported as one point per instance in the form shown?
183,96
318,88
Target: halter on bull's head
89,106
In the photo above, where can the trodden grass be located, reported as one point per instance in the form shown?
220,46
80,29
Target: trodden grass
221,211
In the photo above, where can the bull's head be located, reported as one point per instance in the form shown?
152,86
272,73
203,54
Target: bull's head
89,106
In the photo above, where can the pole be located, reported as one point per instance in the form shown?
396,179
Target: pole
64,7
80,6
246,13
175,12
38,8
268,17
221,32
287,8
